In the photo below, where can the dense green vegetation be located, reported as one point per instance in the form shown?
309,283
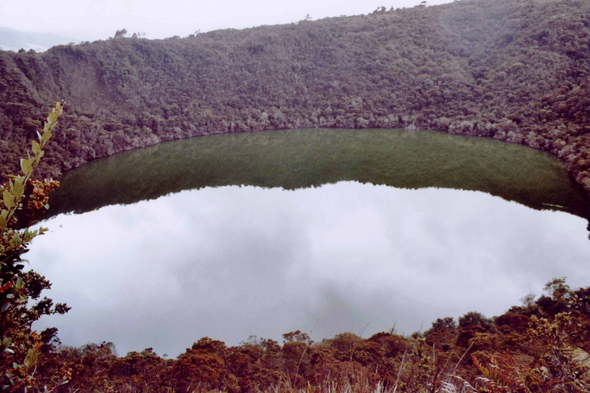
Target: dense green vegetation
513,70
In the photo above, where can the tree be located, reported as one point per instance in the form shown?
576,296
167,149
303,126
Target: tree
474,318
558,289
121,33
444,324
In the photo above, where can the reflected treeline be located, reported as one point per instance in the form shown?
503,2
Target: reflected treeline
312,157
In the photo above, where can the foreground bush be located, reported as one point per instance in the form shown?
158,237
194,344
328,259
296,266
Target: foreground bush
21,348
536,347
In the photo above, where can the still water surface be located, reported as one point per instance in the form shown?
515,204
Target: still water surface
288,230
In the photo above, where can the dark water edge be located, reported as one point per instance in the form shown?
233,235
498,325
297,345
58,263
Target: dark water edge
294,159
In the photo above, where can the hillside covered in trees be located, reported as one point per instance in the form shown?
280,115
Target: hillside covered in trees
514,70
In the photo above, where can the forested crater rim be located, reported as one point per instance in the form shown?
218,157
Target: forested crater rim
501,69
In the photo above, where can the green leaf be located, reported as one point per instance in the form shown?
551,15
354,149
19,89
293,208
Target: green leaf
36,148
3,222
18,189
4,213
26,166
8,199
52,117
46,135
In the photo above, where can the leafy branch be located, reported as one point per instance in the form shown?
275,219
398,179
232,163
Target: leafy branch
19,346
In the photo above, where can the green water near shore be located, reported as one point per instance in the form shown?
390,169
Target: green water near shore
311,157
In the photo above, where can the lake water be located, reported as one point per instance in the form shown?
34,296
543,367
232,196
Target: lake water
323,231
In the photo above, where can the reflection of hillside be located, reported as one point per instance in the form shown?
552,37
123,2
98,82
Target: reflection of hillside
512,70
310,158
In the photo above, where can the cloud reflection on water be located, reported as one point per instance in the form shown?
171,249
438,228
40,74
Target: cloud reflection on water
232,262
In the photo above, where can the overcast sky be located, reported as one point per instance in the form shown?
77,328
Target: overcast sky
99,19
232,262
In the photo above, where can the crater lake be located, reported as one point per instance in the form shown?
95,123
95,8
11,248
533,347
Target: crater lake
323,231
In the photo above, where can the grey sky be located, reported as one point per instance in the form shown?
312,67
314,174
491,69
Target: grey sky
91,20
233,262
